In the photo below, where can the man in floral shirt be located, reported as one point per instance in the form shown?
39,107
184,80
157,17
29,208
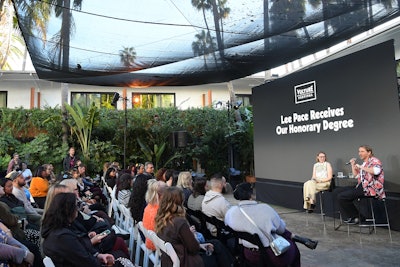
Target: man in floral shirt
370,177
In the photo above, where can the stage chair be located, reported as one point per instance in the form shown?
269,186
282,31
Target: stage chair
321,203
371,222
165,247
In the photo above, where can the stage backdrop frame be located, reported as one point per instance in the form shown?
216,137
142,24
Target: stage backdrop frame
332,107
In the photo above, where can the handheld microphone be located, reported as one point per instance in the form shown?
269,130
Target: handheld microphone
348,163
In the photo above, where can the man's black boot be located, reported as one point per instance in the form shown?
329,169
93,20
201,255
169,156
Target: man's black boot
311,244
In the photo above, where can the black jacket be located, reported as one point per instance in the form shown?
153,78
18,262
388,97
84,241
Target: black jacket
67,249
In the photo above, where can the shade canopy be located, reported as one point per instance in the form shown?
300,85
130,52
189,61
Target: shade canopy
181,42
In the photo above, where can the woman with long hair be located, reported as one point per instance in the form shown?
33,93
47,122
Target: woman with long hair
123,190
199,190
111,176
60,243
153,195
40,185
137,201
186,183
54,190
172,226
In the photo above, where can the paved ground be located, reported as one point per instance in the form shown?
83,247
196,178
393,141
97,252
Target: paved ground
340,248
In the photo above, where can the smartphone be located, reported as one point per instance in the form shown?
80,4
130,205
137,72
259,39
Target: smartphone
106,232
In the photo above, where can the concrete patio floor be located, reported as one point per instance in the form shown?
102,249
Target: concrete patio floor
340,248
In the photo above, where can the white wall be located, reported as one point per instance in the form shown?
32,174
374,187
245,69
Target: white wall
18,87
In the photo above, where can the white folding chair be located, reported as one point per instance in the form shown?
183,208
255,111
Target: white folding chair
166,247
154,256
48,262
109,198
114,208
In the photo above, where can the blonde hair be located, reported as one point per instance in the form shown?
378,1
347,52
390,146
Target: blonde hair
171,206
185,180
53,190
154,189
72,184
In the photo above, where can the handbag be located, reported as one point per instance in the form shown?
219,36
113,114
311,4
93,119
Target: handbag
277,243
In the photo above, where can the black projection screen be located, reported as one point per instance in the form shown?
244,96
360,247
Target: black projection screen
341,104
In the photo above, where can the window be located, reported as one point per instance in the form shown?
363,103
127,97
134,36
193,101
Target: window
246,100
101,100
3,99
153,100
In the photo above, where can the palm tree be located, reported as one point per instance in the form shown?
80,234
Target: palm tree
10,36
128,56
223,12
217,17
204,5
203,46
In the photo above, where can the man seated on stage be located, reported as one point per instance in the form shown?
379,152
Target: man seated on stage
370,177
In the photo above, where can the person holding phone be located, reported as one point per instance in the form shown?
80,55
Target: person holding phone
61,243
172,226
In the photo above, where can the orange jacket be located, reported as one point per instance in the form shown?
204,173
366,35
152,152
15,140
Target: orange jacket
149,222
39,187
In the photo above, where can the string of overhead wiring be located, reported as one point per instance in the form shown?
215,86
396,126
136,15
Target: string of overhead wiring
183,15
101,53
136,21
122,19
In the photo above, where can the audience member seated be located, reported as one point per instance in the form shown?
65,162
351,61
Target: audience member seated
18,191
137,201
10,220
88,191
123,190
263,219
13,252
111,177
27,173
61,243
172,226
185,182
214,203
320,180
40,185
160,175
227,187
87,208
171,177
153,195
149,170
17,206
91,225
199,190
139,169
